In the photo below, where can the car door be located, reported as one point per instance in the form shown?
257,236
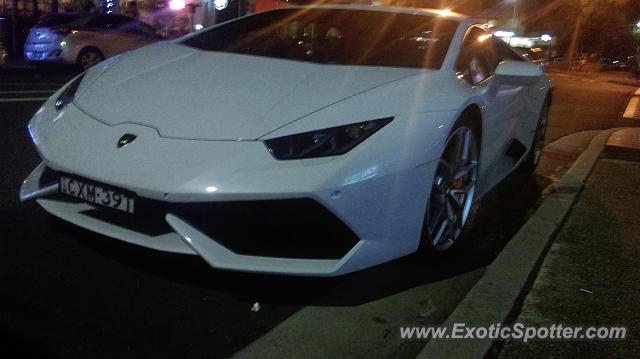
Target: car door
501,103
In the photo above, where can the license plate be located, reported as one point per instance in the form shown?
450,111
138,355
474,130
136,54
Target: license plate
97,193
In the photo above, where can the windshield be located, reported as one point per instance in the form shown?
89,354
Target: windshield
332,36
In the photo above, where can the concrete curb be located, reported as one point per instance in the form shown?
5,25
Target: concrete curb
496,294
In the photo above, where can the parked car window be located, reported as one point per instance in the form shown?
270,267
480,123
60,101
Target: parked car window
108,22
335,36
59,19
478,57
137,28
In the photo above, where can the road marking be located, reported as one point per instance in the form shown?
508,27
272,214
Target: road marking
19,92
32,84
632,110
24,99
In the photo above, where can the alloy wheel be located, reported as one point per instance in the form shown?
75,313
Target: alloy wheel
89,59
453,188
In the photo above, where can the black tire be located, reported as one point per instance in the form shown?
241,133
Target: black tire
533,157
439,236
88,58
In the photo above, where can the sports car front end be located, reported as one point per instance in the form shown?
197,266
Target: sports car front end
254,163
232,202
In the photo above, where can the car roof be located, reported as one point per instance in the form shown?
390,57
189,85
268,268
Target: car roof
391,9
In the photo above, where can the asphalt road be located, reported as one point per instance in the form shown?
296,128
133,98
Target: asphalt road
67,292
587,102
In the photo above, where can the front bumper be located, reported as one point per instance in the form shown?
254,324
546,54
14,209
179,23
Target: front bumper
43,52
378,191
172,231
328,247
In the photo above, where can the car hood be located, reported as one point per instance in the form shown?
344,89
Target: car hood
193,94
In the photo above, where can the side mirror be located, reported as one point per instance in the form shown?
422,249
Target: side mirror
519,68
518,72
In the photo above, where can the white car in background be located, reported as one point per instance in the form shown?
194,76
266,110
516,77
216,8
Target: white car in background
4,37
85,40
303,141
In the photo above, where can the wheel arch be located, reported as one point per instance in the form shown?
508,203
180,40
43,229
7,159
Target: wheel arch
89,48
472,115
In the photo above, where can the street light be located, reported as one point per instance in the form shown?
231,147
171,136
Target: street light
501,33
585,10
220,4
514,20
177,4
446,12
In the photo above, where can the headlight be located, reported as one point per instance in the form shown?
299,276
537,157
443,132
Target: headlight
68,94
326,142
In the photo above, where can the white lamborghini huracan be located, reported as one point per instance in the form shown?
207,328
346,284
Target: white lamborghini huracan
303,141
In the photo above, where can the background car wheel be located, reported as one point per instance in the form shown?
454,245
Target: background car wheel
533,158
453,188
88,58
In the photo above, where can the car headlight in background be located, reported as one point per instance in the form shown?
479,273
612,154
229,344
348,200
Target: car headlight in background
326,142
69,93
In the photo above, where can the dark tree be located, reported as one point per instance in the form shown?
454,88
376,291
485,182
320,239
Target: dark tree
607,25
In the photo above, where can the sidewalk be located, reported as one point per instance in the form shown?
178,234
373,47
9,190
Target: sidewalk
591,275
588,277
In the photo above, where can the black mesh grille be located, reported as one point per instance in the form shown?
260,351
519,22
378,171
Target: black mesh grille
294,228
291,228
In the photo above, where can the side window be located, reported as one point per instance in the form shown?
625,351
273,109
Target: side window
119,22
137,28
98,22
144,29
478,56
107,22
505,51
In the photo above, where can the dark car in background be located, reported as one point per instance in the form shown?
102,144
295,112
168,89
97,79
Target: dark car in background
609,64
85,40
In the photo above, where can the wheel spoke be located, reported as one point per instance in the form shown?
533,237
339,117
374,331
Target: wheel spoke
466,146
453,210
460,192
447,166
441,230
457,207
465,170
452,231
